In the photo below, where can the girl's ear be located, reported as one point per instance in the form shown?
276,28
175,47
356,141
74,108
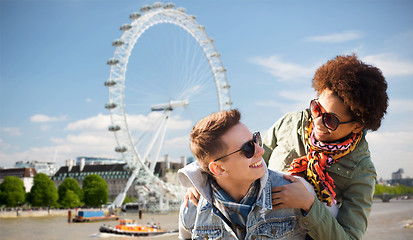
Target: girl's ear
357,128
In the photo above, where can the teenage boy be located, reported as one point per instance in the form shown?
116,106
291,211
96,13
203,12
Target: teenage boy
235,198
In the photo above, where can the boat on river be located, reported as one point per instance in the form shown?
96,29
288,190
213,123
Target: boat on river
94,216
130,207
132,228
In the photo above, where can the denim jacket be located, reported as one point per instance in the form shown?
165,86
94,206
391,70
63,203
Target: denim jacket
205,222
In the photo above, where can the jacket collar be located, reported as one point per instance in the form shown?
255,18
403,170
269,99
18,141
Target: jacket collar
193,176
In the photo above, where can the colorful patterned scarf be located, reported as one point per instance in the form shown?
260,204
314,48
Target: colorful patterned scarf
235,212
321,156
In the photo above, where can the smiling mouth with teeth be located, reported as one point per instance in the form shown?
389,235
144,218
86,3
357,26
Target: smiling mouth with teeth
257,164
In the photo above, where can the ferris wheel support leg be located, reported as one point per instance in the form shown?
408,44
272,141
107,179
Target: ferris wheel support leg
119,199
155,136
162,137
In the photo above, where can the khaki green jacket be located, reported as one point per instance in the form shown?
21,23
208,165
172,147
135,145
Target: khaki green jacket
354,176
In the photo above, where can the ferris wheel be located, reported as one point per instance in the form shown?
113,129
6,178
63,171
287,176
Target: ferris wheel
165,75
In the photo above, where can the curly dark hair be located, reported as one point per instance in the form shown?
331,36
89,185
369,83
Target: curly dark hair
362,88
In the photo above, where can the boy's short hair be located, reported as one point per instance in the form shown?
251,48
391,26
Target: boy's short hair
206,135
362,88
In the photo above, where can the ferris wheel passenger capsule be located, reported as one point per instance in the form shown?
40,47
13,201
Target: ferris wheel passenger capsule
200,27
226,86
121,149
110,105
125,27
112,61
193,17
118,42
114,128
215,54
135,15
146,8
110,83
206,41
220,70
157,5
128,167
141,182
181,9
169,5
153,194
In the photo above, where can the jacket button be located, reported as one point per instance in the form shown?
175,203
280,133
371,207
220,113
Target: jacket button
338,168
348,172
274,230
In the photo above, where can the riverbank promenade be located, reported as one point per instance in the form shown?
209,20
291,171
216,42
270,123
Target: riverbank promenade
388,221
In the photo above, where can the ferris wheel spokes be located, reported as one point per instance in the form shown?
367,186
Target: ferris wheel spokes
174,63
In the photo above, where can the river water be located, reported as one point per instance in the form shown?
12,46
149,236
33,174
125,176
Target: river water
387,221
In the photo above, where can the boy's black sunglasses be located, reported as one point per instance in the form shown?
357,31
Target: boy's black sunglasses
248,148
330,120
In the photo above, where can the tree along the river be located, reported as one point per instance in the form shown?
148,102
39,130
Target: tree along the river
12,192
70,194
95,191
43,192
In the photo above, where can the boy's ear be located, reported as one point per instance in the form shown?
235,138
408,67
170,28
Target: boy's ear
217,170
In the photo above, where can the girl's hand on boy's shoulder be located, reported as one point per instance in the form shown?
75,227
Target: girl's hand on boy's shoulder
191,195
293,195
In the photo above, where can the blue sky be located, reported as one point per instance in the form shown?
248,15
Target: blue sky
53,57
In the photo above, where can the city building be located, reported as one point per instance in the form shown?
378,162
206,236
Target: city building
25,174
115,176
48,168
97,160
398,178
398,174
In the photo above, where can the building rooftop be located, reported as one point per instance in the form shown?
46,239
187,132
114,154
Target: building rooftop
18,172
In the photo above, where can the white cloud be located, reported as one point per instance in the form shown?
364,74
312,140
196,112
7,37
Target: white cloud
44,118
337,37
12,131
289,100
5,146
178,141
282,106
57,140
400,105
283,70
390,64
177,146
390,151
99,122
90,144
45,127
90,137
299,95
135,122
